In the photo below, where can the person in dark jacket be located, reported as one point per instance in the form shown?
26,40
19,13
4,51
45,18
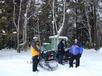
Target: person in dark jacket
61,51
35,50
75,54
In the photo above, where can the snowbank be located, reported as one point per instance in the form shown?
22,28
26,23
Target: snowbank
15,64
6,49
12,54
100,50
92,49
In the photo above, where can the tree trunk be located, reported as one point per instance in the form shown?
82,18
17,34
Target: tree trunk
53,22
25,25
62,26
88,24
95,28
18,22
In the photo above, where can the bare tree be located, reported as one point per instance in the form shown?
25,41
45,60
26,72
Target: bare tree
63,21
17,25
54,21
25,23
18,21
88,24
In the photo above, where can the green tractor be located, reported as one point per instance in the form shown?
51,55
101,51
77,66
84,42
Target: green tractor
50,49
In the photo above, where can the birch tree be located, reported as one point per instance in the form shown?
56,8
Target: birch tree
63,21
25,23
88,24
17,25
61,26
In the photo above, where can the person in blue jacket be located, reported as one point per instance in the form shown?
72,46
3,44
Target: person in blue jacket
75,54
81,49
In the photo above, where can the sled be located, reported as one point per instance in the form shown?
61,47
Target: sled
48,65
48,60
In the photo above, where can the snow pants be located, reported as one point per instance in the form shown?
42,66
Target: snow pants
35,60
60,57
76,58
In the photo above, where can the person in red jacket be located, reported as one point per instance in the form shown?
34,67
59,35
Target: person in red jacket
35,50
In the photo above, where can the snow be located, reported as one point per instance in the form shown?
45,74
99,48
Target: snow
59,31
100,50
38,1
60,37
68,10
15,64
100,4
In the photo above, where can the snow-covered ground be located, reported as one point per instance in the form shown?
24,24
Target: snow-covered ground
14,64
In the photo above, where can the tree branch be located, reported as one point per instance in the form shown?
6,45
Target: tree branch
14,14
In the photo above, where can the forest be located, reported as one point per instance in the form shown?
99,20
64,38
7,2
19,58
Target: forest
21,20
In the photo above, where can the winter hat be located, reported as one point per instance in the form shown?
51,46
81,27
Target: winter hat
35,38
76,40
